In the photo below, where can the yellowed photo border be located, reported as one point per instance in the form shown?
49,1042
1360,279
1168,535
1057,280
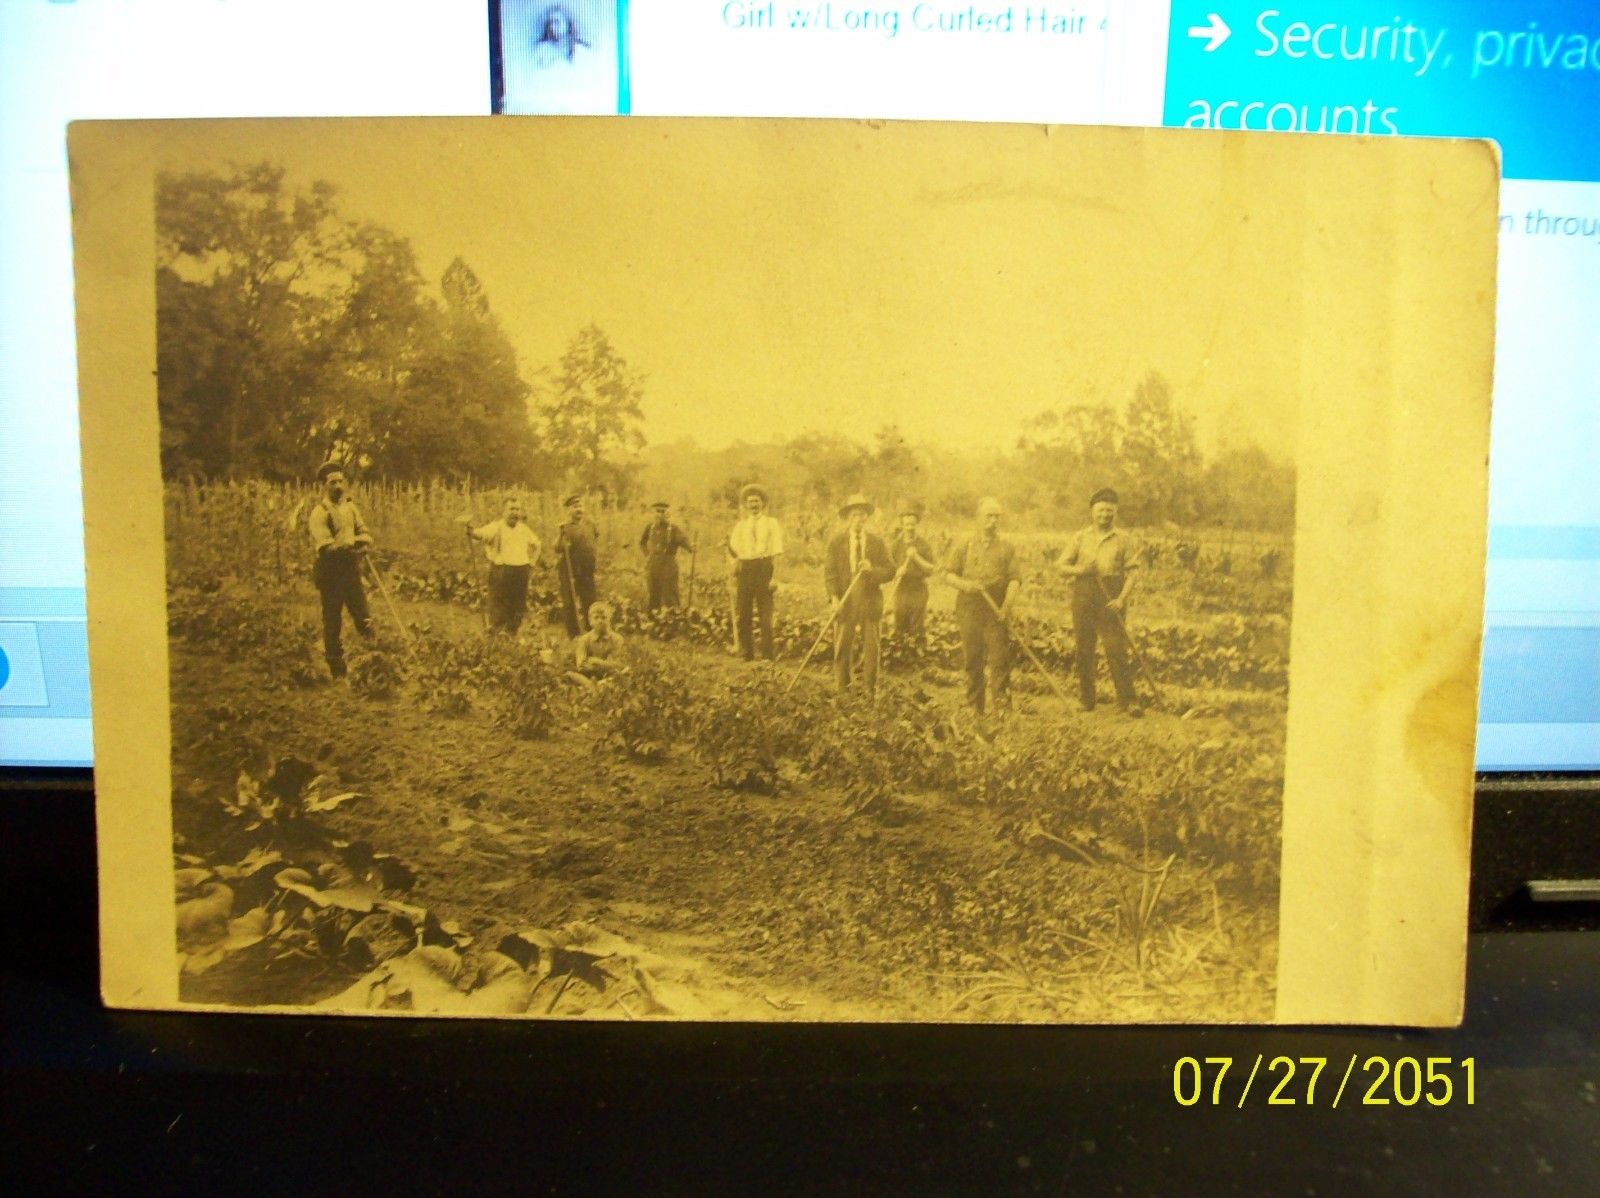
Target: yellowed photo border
1396,281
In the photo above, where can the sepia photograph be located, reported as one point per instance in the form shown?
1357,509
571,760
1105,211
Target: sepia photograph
742,571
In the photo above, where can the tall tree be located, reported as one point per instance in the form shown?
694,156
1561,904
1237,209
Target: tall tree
287,332
1162,456
589,416
1068,453
246,271
1245,488
381,341
477,375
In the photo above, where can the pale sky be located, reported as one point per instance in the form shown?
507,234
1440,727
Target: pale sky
775,277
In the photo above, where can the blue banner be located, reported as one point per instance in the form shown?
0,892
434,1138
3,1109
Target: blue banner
1525,74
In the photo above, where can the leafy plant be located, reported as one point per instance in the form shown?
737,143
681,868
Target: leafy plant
736,728
529,699
375,673
646,708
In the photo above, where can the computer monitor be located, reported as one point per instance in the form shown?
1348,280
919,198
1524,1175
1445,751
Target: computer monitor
167,58
1522,72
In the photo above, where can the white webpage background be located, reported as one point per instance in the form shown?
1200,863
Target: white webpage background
164,58
703,58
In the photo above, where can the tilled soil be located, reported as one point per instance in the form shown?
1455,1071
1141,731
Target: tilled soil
746,906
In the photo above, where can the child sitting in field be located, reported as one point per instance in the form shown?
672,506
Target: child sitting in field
598,651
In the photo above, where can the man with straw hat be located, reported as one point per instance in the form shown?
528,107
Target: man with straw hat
755,543
855,567
985,572
338,536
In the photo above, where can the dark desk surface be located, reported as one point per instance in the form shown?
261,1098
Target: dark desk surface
99,1100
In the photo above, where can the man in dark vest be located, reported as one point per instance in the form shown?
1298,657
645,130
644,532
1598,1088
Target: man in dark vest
576,550
339,537
855,567
660,544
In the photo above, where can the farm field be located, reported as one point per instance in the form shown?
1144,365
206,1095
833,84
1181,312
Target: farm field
462,828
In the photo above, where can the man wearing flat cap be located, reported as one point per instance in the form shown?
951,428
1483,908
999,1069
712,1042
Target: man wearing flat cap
855,567
576,551
338,537
660,544
1102,560
986,574
913,560
755,543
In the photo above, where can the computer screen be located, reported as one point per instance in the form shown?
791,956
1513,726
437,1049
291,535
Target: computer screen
1524,73
145,58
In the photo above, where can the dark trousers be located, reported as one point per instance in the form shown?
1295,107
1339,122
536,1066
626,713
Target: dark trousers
1092,620
661,582
984,643
753,602
508,597
911,612
580,581
338,577
858,625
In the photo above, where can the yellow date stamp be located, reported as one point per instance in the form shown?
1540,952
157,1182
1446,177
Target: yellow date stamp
1324,1081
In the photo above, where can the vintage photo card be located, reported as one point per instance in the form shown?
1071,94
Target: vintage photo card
784,570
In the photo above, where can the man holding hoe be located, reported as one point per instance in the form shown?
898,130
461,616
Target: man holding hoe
984,570
855,568
339,537
1101,560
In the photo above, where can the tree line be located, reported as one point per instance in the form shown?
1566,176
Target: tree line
289,333
1147,450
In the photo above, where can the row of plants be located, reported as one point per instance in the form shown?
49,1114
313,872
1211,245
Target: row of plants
1218,800
1227,650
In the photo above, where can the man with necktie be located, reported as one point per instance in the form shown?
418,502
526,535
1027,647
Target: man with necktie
855,568
755,543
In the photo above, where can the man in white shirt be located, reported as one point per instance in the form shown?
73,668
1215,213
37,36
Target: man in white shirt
755,543
513,549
